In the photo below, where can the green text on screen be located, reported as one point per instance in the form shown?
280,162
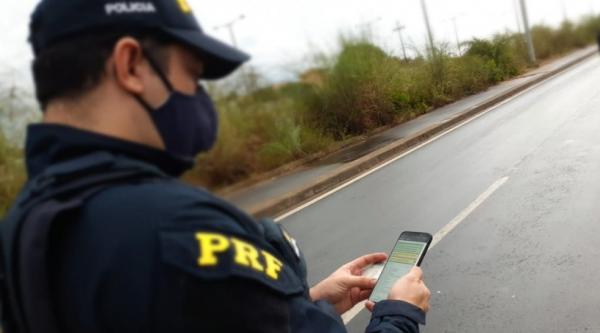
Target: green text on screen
403,258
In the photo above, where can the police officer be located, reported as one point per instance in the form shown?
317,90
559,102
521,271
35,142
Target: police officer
103,238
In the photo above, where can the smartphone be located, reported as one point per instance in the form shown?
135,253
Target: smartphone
409,251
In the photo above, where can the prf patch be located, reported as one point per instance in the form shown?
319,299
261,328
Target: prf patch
213,246
184,6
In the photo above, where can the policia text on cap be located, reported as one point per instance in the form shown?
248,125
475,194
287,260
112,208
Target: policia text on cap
103,238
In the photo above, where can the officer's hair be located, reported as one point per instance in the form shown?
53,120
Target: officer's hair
73,67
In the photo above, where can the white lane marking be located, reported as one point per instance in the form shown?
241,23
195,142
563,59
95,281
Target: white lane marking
467,211
375,271
383,165
350,314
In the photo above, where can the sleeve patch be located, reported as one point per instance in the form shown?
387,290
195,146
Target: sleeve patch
213,255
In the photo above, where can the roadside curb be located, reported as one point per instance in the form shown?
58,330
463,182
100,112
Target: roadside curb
353,169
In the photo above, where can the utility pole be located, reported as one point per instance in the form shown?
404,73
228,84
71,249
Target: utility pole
564,11
428,25
245,76
530,48
518,16
399,28
229,27
458,47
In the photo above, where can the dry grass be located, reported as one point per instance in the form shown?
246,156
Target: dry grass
12,174
360,89
352,93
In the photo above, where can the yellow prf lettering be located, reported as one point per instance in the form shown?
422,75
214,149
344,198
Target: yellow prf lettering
209,245
246,255
185,6
273,265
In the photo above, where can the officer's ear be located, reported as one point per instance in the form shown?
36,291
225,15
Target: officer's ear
131,70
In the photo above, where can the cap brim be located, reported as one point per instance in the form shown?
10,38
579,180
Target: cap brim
220,59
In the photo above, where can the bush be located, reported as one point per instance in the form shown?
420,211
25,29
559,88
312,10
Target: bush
503,56
549,42
589,28
12,174
467,75
366,88
254,137
356,96
360,89
544,41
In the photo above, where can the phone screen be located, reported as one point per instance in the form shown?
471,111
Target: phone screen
403,258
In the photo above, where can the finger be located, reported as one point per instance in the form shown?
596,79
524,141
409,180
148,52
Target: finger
360,282
427,298
363,295
427,292
370,305
364,261
416,273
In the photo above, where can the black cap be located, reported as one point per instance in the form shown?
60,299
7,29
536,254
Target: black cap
56,20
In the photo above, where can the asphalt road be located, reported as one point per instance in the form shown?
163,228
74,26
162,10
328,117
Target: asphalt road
526,257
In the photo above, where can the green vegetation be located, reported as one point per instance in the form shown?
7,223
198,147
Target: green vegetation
16,110
12,174
361,89
256,135
550,42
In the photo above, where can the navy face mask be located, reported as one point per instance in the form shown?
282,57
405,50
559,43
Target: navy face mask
187,124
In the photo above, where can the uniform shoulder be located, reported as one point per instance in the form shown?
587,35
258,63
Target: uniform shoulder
167,204
196,236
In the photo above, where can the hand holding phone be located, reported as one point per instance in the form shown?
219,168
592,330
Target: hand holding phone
411,289
409,251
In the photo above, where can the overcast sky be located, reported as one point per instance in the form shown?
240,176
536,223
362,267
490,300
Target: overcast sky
282,34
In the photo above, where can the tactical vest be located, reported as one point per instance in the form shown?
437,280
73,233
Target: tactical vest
63,188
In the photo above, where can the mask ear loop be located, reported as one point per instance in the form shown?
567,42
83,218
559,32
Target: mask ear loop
154,64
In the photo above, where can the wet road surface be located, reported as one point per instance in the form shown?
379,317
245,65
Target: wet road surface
526,259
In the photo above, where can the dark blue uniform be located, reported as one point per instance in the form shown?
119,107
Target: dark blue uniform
160,256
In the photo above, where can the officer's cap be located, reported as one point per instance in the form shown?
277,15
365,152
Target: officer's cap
56,20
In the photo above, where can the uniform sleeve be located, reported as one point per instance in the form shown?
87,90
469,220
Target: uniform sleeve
395,317
234,306
216,277
221,282
205,285
217,281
